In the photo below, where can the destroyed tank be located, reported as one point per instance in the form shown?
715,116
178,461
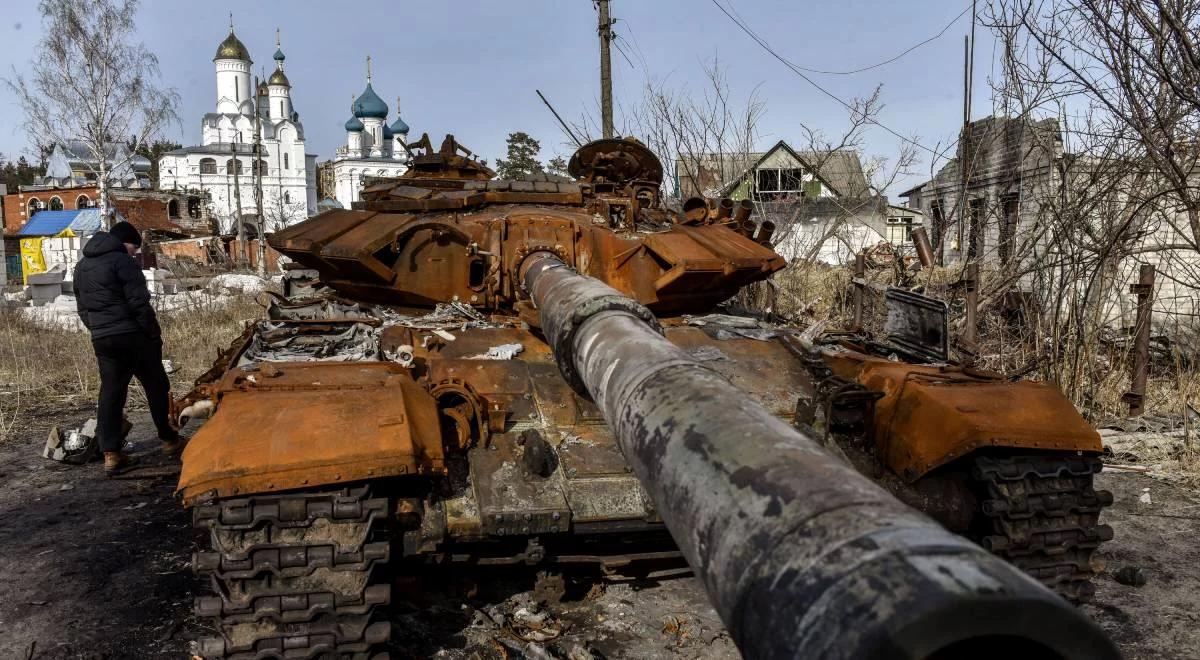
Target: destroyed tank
531,372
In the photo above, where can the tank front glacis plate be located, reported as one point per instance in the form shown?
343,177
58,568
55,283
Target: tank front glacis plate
312,424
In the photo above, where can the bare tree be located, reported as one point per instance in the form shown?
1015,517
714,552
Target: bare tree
705,139
1106,90
93,84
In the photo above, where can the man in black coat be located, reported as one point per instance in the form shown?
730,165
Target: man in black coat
114,304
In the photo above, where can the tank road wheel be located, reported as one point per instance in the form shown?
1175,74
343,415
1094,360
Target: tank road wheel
1042,514
291,575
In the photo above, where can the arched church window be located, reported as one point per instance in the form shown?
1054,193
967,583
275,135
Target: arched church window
262,167
285,162
35,205
56,203
287,197
173,208
82,202
233,166
208,166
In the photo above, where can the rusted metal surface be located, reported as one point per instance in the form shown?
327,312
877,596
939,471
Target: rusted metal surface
801,555
308,424
920,238
1136,396
931,415
422,240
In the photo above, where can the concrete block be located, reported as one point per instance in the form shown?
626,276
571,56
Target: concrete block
55,277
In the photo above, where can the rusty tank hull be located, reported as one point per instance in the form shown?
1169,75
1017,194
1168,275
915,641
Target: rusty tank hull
424,410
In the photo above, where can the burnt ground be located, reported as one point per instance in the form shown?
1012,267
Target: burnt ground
99,568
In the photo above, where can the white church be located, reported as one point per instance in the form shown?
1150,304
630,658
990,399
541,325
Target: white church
223,165
373,148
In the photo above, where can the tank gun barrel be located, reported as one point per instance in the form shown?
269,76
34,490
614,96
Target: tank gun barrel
801,555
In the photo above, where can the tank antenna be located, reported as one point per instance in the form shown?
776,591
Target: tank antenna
560,119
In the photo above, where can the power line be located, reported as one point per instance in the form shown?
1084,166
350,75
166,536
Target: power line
796,70
906,51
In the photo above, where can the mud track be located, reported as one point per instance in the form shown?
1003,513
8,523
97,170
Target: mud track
97,568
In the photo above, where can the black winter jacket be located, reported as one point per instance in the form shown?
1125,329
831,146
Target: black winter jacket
110,291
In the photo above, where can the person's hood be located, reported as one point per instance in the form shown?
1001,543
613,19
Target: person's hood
103,243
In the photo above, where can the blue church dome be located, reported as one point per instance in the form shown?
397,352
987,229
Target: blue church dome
354,124
370,105
279,57
387,132
399,126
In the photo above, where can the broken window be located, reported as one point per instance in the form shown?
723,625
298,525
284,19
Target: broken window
208,166
194,207
82,202
233,166
1009,222
173,208
775,183
56,204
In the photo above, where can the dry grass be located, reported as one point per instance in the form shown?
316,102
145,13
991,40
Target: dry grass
45,366
813,292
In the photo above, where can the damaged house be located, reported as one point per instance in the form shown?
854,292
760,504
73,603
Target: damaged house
822,206
1011,193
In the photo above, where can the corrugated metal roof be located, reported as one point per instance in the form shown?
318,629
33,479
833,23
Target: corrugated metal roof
52,223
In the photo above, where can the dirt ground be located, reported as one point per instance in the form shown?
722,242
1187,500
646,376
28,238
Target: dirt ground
98,568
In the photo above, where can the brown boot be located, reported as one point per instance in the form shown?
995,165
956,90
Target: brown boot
116,462
173,446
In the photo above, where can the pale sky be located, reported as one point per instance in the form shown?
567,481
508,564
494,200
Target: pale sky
470,67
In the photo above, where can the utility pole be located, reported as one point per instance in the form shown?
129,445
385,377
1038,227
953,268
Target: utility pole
258,189
237,197
606,109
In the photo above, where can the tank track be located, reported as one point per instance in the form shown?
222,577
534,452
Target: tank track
291,576
1041,513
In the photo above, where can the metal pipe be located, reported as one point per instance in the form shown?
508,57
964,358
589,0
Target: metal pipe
724,209
742,213
765,232
800,554
695,210
1136,396
920,239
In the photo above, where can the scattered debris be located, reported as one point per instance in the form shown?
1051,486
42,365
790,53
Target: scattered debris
73,447
1144,498
1130,576
707,354
501,352
280,341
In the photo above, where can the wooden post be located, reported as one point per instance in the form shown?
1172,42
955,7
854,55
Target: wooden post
860,286
1136,396
970,333
606,109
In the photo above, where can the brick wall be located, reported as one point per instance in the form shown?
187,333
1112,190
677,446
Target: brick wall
16,205
197,252
148,211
